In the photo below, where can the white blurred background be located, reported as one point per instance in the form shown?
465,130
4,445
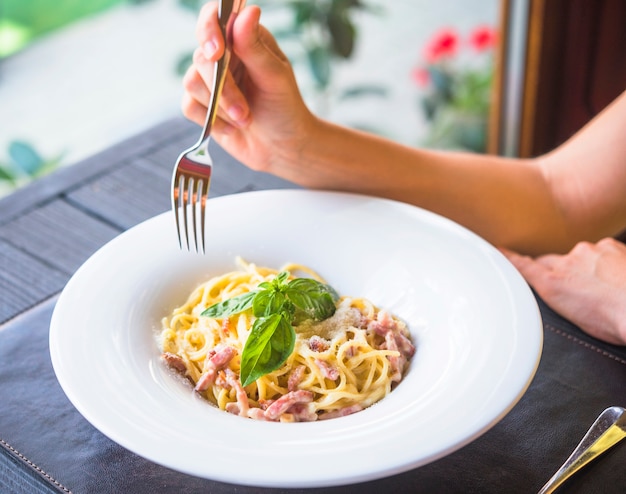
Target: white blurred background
81,87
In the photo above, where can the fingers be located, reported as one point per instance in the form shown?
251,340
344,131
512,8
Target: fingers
195,86
208,32
196,98
519,261
193,110
233,106
256,47
532,270
258,69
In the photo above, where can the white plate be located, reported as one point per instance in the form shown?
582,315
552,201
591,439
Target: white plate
475,322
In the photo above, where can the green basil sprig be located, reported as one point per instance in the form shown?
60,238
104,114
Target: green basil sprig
277,306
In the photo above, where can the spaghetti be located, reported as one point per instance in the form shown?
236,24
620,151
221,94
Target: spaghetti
339,366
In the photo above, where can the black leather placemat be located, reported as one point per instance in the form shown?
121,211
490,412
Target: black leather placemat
575,382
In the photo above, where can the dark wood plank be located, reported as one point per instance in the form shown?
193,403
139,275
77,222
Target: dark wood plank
58,234
126,196
67,178
25,281
164,157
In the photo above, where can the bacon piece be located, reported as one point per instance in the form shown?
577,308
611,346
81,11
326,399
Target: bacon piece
285,402
397,361
328,371
295,378
257,414
383,323
242,397
264,404
404,345
302,413
174,361
318,344
226,325
205,381
215,361
222,356
386,324
341,412
221,381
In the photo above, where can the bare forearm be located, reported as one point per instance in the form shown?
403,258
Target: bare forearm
503,200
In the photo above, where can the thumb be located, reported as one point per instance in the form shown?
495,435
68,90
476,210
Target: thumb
256,48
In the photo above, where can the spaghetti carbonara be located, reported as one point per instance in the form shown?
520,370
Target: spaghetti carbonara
338,366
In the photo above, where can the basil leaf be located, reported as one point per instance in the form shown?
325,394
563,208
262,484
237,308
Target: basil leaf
281,278
310,285
231,306
277,284
316,300
268,302
269,344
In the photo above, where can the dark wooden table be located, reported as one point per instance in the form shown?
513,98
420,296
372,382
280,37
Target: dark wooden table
49,228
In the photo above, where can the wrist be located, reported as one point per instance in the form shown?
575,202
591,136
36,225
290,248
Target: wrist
298,151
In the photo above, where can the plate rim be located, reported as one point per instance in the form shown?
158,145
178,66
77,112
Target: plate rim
55,349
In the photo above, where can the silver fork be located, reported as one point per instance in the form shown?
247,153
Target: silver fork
192,173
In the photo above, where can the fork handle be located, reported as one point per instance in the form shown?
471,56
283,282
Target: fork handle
608,429
227,12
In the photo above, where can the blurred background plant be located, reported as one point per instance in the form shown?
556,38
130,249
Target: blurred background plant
21,23
24,165
455,88
318,35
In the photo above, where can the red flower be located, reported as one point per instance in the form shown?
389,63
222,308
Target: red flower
443,44
483,38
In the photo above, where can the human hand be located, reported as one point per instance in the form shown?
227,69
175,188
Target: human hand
262,119
586,286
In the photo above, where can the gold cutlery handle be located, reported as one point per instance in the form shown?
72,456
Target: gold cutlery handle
608,429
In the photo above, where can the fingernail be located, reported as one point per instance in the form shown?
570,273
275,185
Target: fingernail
209,48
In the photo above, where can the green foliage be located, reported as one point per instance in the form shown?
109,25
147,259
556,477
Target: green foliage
42,16
325,29
271,341
22,21
25,164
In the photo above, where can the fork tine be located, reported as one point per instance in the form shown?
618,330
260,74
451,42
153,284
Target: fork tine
203,191
176,205
191,211
182,206
175,196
